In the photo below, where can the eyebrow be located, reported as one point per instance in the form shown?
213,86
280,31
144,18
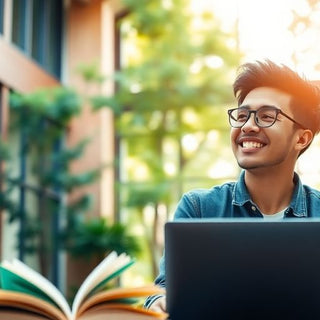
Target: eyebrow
247,106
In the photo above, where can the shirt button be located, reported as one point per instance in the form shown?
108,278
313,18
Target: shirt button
253,208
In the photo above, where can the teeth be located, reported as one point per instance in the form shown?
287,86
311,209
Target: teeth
252,144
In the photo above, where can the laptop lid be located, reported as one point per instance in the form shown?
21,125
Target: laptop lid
243,269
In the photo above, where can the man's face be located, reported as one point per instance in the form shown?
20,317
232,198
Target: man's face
256,147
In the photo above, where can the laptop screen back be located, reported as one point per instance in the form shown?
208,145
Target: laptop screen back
243,269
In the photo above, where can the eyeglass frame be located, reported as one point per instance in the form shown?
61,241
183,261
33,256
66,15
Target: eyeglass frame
278,111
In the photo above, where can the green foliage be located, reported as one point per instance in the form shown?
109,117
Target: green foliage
69,181
79,206
58,104
7,204
181,62
91,73
42,118
174,80
96,237
4,152
103,101
140,195
175,64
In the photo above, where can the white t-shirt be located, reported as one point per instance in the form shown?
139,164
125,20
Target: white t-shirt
276,216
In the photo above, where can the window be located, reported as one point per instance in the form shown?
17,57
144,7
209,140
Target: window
38,206
20,17
37,30
46,34
1,111
1,15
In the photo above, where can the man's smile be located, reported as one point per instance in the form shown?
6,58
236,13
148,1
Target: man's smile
247,142
251,144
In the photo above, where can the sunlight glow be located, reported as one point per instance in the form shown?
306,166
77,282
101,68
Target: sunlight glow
190,142
222,169
135,88
170,168
139,171
167,4
214,62
190,116
263,30
196,66
213,136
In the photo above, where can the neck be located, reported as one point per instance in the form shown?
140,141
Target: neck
271,192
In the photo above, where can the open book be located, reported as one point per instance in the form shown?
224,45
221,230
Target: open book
25,294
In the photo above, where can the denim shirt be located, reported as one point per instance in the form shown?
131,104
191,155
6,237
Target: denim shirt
232,200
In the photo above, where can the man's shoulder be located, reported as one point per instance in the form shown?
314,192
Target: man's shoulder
220,189
311,191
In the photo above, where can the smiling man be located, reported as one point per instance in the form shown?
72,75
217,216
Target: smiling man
277,117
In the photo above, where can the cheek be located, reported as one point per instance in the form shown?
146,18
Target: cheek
234,134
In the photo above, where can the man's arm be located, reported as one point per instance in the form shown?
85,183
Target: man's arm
158,304
154,301
185,209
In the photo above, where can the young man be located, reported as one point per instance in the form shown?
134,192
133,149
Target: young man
278,115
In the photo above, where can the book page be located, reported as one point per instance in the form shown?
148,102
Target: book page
33,278
17,314
123,312
116,314
116,297
104,270
17,303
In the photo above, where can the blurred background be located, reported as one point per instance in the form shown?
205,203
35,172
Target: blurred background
111,109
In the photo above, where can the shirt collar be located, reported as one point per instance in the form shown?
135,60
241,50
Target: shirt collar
297,207
298,203
240,192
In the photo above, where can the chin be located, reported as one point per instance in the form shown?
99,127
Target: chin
249,166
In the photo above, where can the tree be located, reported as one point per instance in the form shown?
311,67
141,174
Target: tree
35,191
304,27
173,81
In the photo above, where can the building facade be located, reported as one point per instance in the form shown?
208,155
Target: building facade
41,44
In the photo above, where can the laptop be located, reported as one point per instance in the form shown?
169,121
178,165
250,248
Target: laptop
243,269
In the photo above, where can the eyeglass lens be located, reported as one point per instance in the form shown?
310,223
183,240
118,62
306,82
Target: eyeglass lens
264,116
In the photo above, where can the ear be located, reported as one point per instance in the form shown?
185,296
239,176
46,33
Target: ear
304,138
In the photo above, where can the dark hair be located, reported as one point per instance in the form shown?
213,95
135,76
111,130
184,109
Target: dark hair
305,102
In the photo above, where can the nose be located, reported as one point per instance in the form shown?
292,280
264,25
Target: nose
250,125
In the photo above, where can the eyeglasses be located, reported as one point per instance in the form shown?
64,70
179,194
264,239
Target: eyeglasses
264,117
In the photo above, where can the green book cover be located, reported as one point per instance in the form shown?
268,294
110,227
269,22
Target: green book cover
13,282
